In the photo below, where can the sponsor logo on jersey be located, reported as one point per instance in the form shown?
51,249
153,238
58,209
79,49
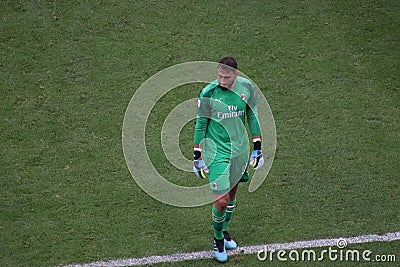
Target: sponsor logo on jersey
233,112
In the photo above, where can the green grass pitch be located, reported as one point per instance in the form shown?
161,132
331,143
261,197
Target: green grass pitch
68,69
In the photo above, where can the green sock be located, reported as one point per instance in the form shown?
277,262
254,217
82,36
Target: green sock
229,211
218,218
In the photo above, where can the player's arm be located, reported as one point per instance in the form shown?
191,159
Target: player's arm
253,122
203,115
256,158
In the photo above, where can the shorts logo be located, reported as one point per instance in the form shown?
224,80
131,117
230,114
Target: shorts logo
215,186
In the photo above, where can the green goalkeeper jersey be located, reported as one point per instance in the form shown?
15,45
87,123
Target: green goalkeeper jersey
221,115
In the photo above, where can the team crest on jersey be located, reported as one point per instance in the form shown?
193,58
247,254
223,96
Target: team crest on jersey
242,96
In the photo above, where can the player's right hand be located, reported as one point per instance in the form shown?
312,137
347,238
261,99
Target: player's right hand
200,169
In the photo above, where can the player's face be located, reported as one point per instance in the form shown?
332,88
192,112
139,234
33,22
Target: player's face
227,78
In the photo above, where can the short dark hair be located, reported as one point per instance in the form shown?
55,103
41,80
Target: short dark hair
228,63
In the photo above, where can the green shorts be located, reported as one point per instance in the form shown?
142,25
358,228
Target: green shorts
226,173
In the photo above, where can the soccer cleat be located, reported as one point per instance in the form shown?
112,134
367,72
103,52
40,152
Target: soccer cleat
220,251
229,242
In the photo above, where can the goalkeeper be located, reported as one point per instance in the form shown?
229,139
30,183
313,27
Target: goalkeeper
221,151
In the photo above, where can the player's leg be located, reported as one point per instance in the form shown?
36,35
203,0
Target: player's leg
228,241
230,206
219,184
219,212
238,172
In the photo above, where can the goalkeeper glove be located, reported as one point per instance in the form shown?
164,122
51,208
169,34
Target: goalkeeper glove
199,167
256,158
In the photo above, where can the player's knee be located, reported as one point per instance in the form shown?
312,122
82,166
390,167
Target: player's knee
221,203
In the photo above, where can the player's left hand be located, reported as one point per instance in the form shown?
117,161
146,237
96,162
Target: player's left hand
200,168
256,159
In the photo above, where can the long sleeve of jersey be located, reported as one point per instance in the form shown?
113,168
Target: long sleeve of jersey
252,120
203,116
200,129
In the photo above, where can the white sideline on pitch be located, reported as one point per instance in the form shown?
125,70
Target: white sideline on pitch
241,250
